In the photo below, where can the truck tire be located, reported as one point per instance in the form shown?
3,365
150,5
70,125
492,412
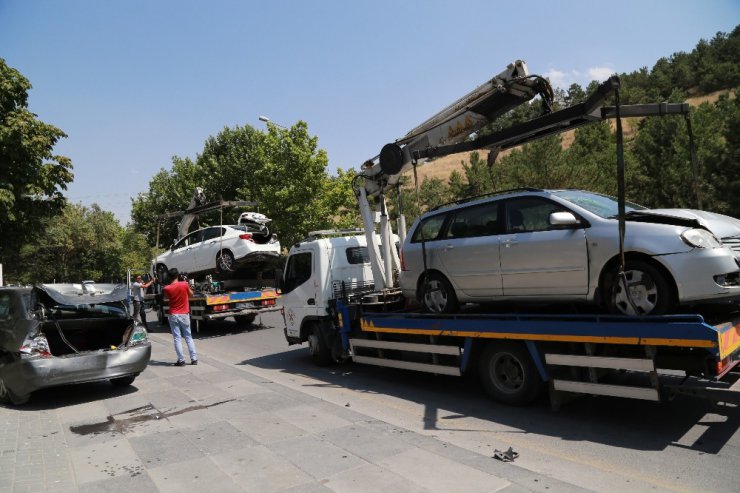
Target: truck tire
162,274
320,351
508,373
244,322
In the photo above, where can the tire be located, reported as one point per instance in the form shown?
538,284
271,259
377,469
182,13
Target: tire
651,291
245,321
438,295
162,273
123,381
225,261
317,346
508,374
7,396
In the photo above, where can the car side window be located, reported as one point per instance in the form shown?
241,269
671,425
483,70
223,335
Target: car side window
191,239
475,221
297,271
429,228
212,233
530,214
5,305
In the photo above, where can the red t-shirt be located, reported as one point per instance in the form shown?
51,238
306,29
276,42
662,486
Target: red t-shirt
177,293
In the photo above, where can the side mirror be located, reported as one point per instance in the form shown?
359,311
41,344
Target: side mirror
563,219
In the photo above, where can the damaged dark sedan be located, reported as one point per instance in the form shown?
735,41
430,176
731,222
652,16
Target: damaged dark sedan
60,334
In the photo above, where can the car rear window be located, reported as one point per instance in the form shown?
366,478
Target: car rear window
429,228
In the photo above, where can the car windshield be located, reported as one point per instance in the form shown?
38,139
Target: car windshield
601,205
103,310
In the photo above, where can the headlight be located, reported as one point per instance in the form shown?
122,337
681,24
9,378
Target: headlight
700,238
139,336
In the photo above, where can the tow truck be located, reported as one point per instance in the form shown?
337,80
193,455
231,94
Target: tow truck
242,294
340,295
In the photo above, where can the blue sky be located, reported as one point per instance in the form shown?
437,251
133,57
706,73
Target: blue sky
136,82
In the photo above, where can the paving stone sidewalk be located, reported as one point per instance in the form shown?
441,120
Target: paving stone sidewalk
215,427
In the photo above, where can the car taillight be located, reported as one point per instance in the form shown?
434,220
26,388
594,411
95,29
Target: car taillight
139,336
37,346
220,308
268,302
247,236
403,264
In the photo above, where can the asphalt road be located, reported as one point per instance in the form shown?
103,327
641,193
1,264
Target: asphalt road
599,443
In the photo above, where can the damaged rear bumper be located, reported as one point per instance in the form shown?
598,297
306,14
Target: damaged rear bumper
27,375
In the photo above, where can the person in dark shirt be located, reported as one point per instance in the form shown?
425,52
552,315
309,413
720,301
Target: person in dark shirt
178,294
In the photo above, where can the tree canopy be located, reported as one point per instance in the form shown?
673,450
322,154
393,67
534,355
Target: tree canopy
32,177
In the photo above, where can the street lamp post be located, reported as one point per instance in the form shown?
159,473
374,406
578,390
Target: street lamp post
263,118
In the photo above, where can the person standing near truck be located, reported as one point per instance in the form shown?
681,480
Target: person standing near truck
137,293
178,294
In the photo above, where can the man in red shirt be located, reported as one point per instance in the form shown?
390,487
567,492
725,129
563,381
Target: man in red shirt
178,294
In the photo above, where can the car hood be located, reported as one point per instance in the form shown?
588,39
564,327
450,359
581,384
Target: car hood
722,226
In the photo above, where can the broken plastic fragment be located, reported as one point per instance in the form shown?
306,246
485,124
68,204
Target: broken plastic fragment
507,456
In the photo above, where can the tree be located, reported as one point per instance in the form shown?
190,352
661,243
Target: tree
81,243
31,176
283,170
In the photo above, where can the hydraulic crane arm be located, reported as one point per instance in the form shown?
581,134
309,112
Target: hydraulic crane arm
455,123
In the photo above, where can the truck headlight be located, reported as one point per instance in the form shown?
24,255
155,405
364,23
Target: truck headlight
700,238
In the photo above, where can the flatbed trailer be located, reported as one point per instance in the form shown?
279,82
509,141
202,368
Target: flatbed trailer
650,358
244,306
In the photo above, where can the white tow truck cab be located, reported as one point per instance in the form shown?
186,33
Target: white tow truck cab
325,266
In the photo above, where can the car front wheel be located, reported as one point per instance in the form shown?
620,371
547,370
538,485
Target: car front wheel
647,291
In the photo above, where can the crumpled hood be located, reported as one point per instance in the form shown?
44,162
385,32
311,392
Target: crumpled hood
722,226
81,294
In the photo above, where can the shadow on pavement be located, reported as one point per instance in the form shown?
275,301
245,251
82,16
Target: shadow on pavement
631,424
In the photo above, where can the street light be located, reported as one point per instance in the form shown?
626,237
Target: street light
263,118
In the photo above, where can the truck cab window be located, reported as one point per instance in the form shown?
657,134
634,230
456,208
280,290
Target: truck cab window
297,271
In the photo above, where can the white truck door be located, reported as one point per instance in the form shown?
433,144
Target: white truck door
299,291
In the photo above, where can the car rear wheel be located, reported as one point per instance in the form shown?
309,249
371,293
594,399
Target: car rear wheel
8,396
439,296
162,273
648,292
123,381
225,261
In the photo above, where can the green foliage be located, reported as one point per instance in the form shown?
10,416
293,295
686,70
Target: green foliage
281,169
81,243
31,176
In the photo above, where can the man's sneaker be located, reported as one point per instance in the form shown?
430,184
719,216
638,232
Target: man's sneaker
180,363
194,362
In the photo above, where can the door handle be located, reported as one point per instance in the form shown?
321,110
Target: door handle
508,243
449,247
311,301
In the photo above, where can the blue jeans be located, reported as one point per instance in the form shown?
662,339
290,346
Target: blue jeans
180,323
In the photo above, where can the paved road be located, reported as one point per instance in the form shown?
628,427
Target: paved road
256,415
598,443
223,426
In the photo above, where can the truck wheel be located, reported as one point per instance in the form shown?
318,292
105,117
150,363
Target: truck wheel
320,351
508,373
439,296
123,381
225,261
650,291
245,321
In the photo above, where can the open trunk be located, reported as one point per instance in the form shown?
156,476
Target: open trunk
85,334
